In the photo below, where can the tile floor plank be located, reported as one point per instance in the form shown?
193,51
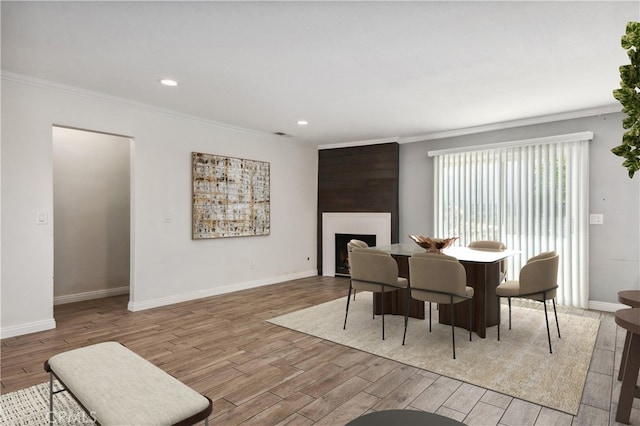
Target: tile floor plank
483,414
521,413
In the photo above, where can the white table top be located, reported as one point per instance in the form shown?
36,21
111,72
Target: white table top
465,254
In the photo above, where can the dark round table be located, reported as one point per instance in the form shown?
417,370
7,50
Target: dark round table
404,418
629,298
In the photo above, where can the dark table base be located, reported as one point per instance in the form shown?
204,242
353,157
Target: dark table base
483,277
395,304
395,301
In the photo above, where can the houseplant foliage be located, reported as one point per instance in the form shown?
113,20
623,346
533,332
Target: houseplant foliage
629,96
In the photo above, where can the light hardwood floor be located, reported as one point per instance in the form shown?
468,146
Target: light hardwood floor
261,374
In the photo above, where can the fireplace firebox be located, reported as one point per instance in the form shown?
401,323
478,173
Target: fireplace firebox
342,254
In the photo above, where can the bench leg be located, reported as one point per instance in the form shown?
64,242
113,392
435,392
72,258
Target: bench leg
50,398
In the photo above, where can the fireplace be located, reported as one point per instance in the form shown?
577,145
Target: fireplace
342,255
358,223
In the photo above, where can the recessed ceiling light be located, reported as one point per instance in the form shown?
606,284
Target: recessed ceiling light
168,82
302,122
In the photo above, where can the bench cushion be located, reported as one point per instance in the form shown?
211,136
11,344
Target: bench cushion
119,387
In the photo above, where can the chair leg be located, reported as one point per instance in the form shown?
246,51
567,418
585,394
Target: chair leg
382,312
453,329
629,390
625,351
406,315
429,317
347,310
470,318
499,318
556,315
546,318
509,300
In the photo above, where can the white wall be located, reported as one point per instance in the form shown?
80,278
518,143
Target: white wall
91,214
614,248
167,266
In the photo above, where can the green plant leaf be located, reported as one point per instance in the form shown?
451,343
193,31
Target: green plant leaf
620,150
629,75
629,97
631,37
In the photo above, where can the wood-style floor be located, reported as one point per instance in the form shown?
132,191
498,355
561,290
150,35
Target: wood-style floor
261,374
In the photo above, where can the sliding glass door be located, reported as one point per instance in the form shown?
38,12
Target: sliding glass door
532,195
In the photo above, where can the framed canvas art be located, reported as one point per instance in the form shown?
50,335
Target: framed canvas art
231,196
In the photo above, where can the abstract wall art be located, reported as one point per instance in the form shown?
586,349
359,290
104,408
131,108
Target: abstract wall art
231,196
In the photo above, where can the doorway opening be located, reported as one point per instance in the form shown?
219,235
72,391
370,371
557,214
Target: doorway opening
92,214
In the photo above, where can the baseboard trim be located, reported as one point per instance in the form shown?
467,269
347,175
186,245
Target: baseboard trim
36,326
32,327
605,306
178,298
90,295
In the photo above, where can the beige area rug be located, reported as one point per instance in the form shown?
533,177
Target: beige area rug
30,406
518,365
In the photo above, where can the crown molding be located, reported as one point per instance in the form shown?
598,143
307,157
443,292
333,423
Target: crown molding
71,90
569,115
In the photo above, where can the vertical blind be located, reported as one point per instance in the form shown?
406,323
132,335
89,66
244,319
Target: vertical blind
531,195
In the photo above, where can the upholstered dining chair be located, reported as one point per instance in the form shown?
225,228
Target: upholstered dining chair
351,245
438,278
492,246
538,281
375,271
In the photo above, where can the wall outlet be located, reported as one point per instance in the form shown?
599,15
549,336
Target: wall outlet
596,219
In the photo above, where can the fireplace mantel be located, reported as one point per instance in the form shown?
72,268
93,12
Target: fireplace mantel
378,224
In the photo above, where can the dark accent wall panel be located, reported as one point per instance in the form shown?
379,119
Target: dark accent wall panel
358,179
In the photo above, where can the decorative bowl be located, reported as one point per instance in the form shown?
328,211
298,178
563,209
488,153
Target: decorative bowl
433,244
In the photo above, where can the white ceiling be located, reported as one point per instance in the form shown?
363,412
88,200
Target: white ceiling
357,71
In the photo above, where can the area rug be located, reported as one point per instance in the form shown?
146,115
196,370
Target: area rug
30,407
518,365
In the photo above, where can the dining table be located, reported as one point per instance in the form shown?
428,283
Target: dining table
482,268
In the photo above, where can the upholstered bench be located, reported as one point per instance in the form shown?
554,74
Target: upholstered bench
115,386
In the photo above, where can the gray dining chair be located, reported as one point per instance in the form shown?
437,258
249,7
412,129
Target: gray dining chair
375,271
438,278
352,245
538,281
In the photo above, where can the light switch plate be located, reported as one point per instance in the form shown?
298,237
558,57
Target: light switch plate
42,218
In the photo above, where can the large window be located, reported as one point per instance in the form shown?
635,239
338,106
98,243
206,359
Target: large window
532,195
